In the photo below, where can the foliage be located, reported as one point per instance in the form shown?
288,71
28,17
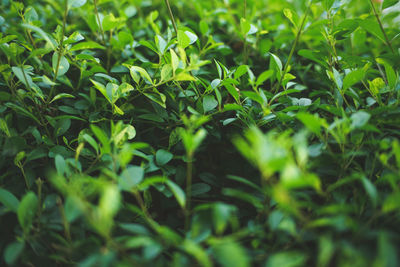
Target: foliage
199,133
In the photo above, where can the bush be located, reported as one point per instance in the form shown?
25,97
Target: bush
199,133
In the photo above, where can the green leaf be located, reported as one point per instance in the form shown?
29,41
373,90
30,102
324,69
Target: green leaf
371,25
8,200
291,16
209,103
23,75
312,122
102,89
276,64
371,190
240,71
192,37
174,60
390,73
389,3
222,214
41,33
86,45
245,26
19,157
287,259
131,177
13,251
22,111
110,22
103,138
166,72
183,39
158,98
76,3
61,165
352,78
91,141
163,157
203,27
230,254
232,91
263,77
161,44
184,77
197,252
359,119
63,66
27,210
143,73
178,193
62,95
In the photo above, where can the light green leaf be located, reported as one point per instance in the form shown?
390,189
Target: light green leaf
166,72
44,35
23,75
61,165
131,177
26,210
63,66
241,70
390,73
370,189
174,60
110,22
91,141
163,157
192,37
103,138
232,91
209,103
157,97
287,259
312,121
389,3
183,39
359,119
231,254
76,3
102,89
184,77
291,16
352,78
178,193
244,26
161,44
62,95
371,25
86,45
135,69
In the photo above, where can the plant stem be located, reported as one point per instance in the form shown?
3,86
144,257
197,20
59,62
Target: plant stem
189,170
96,12
245,8
298,34
381,26
171,15
21,167
67,231
61,50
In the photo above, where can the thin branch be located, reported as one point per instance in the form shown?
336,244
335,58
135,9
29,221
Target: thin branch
172,17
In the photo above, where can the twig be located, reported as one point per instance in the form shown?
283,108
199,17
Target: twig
381,26
172,17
